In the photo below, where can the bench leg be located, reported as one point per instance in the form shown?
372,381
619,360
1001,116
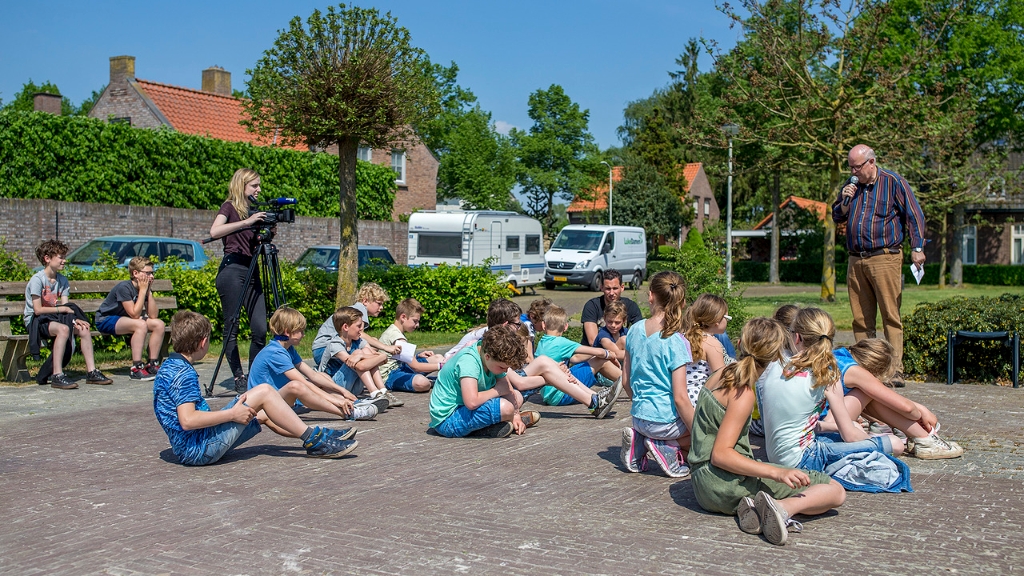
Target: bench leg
950,354
12,358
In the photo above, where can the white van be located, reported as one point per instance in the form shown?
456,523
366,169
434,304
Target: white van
582,252
510,240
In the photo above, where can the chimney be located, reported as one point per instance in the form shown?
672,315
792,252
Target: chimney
217,80
122,68
46,102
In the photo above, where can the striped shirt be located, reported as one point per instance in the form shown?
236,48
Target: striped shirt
881,215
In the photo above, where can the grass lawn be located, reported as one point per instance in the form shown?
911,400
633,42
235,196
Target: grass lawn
122,359
840,309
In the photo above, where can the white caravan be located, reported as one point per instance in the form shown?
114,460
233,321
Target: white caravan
510,240
582,252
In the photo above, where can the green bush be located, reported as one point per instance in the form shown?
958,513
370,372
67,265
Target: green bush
993,274
12,267
925,336
703,270
77,159
810,273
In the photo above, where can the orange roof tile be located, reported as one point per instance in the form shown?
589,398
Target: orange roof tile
203,113
819,208
600,199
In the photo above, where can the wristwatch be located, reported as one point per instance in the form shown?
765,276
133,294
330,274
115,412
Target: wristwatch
918,250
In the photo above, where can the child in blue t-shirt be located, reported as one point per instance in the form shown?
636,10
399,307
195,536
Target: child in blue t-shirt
584,361
612,336
279,364
199,436
655,370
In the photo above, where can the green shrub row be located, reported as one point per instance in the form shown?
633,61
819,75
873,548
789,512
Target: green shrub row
925,336
77,159
790,271
993,274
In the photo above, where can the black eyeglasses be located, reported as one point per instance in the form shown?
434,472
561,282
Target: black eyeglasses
859,166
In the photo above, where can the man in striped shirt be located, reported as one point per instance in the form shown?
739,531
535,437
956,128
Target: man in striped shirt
880,212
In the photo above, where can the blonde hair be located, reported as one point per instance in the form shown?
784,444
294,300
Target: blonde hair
236,190
555,318
188,330
705,312
372,292
817,331
409,307
345,315
762,341
287,321
616,310
876,356
670,296
137,264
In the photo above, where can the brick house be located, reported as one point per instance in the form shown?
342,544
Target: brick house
698,189
213,112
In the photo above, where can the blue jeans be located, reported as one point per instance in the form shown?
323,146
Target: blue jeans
401,378
342,375
224,437
825,451
463,420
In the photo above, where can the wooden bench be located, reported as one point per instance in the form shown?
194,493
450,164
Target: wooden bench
14,347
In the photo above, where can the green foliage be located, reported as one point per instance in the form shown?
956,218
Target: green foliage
455,297
76,159
992,274
557,155
925,336
24,101
703,269
12,267
649,203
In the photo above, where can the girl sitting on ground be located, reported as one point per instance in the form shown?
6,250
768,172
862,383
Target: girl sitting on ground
863,368
707,316
726,478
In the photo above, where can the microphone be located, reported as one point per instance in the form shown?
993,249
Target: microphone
853,180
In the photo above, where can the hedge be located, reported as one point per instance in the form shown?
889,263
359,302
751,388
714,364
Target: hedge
925,335
810,272
77,159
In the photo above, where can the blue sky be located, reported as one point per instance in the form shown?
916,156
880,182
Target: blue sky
604,53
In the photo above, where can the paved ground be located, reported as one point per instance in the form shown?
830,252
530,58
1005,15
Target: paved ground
89,486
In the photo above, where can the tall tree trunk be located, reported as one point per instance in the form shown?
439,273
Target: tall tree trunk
348,258
943,249
773,266
956,275
828,267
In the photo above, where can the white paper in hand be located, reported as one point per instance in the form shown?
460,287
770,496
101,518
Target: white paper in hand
407,353
918,272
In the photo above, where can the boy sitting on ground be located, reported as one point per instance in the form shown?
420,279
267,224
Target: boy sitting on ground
49,314
130,308
279,364
199,436
473,394
349,361
369,302
407,377
588,360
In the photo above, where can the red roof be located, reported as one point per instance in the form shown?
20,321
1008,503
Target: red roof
819,208
203,113
600,193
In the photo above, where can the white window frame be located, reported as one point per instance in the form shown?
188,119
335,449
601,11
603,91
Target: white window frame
1017,244
398,165
707,207
365,153
696,208
969,248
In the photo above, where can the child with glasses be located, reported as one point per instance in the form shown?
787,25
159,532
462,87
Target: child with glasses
706,317
130,308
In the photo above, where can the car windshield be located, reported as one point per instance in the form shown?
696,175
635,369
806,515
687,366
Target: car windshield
319,258
374,256
578,240
89,253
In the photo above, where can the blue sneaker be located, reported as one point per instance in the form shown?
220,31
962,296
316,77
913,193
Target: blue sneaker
322,444
342,433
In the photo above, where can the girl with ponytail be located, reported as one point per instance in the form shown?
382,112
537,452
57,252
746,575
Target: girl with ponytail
726,478
792,395
654,369
705,318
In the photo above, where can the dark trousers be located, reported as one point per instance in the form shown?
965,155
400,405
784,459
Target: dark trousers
229,286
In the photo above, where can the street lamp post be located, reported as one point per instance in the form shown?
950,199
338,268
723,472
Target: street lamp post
731,130
609,191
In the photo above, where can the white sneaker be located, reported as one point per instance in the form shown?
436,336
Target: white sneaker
365,411
932,447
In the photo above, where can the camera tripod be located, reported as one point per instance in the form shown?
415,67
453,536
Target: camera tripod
267,269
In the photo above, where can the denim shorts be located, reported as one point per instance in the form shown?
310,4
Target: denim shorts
224,437
659,430
463,420
108,325
825,451
400,379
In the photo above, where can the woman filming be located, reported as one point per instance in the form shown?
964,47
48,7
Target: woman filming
233,225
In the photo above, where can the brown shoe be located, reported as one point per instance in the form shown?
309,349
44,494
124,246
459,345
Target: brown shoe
530,418
897,381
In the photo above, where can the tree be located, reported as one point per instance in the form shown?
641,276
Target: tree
557,156
652,205
346,77
24,101
808,82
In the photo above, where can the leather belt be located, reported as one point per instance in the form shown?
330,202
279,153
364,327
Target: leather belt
871,253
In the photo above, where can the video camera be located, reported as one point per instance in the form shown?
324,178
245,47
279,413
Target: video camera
274,213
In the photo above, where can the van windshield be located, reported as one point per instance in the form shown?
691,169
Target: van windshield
578,240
